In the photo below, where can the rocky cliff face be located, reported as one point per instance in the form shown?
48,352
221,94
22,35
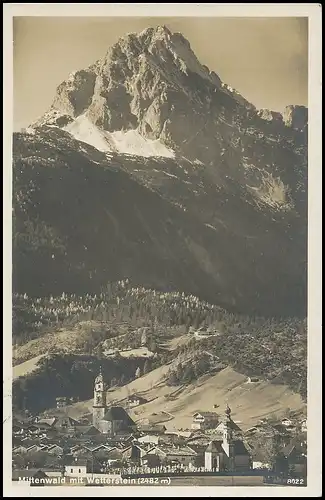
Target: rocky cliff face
236,174
151,86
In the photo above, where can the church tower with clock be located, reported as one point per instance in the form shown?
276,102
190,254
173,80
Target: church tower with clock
99,406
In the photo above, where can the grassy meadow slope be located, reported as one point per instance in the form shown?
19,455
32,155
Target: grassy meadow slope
175,405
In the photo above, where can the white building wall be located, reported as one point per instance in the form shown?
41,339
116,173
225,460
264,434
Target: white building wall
208,460
75,470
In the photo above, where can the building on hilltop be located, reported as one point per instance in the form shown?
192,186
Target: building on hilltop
109,420
136,400
229,453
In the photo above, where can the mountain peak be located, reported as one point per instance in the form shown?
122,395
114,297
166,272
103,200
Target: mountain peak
142,80
152,86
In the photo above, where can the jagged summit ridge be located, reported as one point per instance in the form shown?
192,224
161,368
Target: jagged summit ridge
150,96
141,84
151,83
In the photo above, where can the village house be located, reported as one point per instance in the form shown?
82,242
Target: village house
55,449
149,438
80,467
24,446
228,453
47,421
152,429
135,400
172,455
139,451
179,433
34,448
204,420
251,380
296,459
63,401
65,424
20,449
287,422
77,450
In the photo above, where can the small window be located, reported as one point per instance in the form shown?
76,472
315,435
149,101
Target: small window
79,471
71,470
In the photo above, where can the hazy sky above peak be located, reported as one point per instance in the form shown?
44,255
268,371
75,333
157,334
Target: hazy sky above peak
265,59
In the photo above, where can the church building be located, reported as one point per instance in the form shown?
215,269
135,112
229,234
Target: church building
229,453
109,419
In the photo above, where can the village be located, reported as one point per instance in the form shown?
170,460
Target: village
108,444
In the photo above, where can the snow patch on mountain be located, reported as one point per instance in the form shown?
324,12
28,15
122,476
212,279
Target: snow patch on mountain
127,142
133,143
273,192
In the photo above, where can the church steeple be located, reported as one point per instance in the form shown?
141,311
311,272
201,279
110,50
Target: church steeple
228,443
227,432
99,406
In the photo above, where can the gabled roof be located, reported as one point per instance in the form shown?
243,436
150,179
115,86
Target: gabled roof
168,450
230,424
136,396
206,414
77,461
118,413
76,447
47,421
294,447
152,428
69,420
91,431
55,445
198,448
184,451
98,447
26,443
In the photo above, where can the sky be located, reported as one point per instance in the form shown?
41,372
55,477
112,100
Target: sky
265,59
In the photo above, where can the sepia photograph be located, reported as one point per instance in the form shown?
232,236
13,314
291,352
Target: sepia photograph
159,316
